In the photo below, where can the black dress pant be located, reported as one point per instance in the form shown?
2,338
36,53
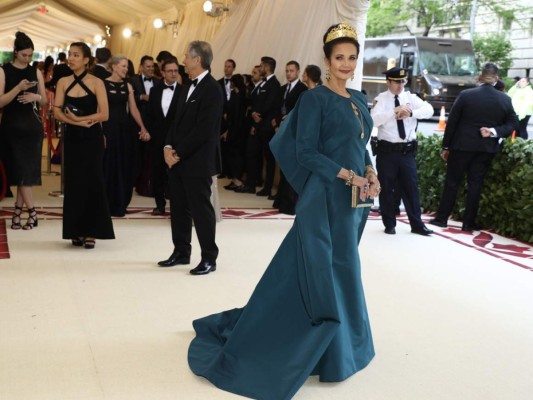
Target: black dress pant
397,172
190,201
266,136
159,176
476,165
253,159
522,127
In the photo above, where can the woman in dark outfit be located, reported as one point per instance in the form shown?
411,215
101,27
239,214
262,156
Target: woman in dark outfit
83,106
21,132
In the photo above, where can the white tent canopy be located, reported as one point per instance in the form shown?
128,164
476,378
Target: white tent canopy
284,29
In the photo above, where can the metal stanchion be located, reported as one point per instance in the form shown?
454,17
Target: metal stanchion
60,135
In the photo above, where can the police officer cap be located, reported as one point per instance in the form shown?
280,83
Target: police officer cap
396,74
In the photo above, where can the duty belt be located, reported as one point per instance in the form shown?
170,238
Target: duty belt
384,146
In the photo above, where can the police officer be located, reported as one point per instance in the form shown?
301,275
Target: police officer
395,113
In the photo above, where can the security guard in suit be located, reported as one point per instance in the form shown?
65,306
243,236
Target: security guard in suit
395,114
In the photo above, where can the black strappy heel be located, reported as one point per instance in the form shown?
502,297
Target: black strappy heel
32,222
15,220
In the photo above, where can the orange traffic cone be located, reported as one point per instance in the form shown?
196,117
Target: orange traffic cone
513,136
442,119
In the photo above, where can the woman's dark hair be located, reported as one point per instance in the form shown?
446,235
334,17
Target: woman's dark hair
22,42
313,72
328,47
85,50
48,61
238,82
131,70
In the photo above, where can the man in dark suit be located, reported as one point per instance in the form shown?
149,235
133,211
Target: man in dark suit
60,71
192,155
161,111
142,84
266,106
292,89
100,70
478,121
225,147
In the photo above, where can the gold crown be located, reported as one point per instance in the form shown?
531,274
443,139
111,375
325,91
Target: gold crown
340,31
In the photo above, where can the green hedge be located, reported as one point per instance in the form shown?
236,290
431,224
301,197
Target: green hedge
507,200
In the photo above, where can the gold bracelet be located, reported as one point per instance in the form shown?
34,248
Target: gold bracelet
348,181
370,169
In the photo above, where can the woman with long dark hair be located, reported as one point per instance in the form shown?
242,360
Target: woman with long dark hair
21,93
82,106
307,316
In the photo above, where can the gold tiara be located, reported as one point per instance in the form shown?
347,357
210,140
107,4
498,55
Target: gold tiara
340,31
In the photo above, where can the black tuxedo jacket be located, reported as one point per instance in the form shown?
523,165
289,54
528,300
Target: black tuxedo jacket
60,71
101,72
195,132
223,86
156,122
267,101
293,96
484,106
138,89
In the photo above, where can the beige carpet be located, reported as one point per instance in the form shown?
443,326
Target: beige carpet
452,315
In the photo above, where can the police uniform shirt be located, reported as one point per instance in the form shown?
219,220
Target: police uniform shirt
384,117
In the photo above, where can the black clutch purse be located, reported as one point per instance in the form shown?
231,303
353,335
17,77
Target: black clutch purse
73,109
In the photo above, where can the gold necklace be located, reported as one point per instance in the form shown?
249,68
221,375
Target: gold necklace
360,118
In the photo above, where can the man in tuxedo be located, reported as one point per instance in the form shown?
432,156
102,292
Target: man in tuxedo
292,90
161,111
102,55
225,83
266,106
143,83
192,155
479,119
225,147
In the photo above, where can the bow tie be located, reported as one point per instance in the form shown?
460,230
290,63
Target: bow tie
194,82
147,79
171,87
265,79
226,81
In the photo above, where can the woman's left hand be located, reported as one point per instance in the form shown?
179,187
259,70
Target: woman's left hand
144,135
375,186
28,97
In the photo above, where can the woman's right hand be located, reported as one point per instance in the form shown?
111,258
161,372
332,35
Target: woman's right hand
25,85
355,180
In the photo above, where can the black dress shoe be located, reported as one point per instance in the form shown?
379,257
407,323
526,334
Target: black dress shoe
438,222
263,193
470,228
390,231
244,189
158,211
204,268
422,231
273,197
231,186
175,259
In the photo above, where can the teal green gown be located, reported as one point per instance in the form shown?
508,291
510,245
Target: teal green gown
307,315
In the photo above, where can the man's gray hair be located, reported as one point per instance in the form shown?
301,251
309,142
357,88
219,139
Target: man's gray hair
202,50
489,73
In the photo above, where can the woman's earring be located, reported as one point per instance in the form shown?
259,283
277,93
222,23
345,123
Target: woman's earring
353,75
327,75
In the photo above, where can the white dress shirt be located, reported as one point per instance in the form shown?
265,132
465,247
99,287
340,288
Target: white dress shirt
166,98
148,85
228,87
384,117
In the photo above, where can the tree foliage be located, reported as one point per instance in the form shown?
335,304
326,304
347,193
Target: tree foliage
384,16
495,48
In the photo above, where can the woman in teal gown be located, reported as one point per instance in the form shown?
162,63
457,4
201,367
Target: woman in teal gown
307,316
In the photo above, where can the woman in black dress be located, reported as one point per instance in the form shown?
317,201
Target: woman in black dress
21,131
82,106
118,156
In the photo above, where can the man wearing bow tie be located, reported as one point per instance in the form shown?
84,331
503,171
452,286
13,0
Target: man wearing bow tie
191,152
162,108
225,149
142,86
